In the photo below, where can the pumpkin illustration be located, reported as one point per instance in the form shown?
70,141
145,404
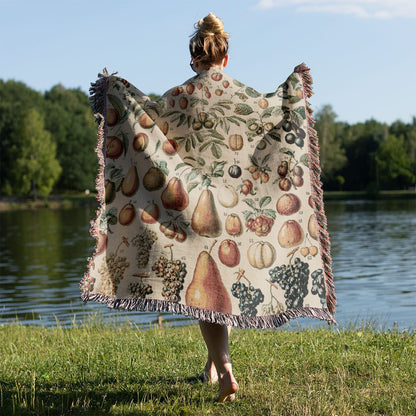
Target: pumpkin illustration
261,254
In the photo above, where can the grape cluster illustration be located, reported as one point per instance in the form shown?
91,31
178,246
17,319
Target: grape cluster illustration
144,241
139,289
112,271
293,279
318,285
248,296
173,273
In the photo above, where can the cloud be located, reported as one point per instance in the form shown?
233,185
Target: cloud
366,9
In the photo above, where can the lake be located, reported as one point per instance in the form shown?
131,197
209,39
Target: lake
43,257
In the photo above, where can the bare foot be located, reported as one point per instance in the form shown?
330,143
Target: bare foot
228,388
209,375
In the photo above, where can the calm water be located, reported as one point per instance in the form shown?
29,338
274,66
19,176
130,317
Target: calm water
43,257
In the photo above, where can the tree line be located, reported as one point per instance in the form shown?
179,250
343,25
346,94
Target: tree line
47,143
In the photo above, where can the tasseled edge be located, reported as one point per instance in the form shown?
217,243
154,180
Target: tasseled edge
317,193
255,322
98,92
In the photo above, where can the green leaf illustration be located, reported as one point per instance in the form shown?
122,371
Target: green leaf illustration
238,83
243,109
293,99
200,161
265,201
252,92
180,165
191,175
250,202
270,213
305,159
125,142
216,150
301,112
191,185
286,151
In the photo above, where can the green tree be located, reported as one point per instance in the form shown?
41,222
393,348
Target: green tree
14,96
394,164
35,167
71,122
332,154
361,142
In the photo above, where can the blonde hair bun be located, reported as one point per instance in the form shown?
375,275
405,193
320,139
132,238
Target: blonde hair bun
209,43
211,25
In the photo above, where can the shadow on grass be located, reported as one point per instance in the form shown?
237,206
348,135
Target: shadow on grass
99,396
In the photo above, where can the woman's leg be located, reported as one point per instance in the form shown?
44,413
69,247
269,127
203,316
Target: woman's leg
209,373
216,339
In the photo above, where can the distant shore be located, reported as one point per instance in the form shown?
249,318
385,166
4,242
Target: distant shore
66,201
61,201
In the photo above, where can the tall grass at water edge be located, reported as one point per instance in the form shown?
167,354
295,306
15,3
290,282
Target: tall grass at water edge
108,369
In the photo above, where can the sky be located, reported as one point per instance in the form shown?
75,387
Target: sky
361,53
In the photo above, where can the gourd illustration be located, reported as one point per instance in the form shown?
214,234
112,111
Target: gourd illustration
130,183
206,290
261,254
174,196
235,142
205,220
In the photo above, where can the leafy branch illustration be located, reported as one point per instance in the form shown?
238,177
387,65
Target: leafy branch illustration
195,175
160,164
259,210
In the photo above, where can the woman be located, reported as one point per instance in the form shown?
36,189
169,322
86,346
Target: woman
209,49
178,174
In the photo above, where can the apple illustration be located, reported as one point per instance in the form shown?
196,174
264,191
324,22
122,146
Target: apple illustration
140,142
114,147
228,253
170,147
145,121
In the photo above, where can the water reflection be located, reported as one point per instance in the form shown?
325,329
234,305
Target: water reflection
43,257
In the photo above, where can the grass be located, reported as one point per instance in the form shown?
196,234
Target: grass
104,369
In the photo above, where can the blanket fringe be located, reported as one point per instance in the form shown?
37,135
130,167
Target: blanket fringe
255,322
317,196
98,91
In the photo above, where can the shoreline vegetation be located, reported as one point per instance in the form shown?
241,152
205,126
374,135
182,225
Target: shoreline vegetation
66,201
118,369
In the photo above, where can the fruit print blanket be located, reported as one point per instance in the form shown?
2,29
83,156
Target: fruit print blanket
210,202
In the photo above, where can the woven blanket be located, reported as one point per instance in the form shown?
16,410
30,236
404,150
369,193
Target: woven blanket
210,202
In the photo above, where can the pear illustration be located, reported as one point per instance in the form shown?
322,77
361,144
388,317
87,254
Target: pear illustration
154,179
205,220
174,196
206,290
130,183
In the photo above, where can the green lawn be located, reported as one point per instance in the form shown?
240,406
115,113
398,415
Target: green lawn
104,369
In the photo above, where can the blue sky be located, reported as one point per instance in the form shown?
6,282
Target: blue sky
361,53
